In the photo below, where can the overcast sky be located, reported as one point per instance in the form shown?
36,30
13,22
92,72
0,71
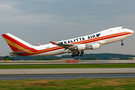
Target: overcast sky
40,21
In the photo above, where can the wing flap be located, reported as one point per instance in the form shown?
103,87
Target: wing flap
62,45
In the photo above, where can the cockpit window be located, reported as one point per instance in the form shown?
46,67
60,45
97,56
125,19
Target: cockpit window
123,27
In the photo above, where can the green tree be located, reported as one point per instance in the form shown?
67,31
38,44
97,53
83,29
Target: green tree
93,58
8,58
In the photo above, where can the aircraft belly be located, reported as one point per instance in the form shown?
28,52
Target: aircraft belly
55,52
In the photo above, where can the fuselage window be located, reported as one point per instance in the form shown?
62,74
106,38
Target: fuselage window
65,42
71,41
88,37
83,38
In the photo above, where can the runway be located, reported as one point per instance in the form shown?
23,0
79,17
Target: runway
53,62
67,76
72,73
66,71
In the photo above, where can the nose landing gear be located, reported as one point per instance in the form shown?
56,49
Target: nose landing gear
122,44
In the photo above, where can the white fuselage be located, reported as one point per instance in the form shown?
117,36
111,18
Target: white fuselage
105,37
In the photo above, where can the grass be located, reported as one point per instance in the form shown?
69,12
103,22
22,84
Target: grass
73,84
67,66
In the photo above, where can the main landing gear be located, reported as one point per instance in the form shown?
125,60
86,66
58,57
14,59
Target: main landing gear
78,54
122,44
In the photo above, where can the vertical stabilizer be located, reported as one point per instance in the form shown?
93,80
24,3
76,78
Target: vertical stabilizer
15,43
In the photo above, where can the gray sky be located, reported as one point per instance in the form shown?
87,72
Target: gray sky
40,21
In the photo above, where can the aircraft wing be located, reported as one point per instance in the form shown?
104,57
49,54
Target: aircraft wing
62,45
78,47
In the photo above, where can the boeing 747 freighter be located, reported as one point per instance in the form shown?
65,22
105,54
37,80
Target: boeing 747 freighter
76,46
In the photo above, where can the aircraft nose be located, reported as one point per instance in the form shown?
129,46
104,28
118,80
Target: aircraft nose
131,31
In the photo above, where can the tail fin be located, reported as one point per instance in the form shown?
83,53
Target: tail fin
16,44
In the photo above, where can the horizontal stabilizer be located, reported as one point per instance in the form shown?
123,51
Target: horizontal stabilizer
19,52
16,53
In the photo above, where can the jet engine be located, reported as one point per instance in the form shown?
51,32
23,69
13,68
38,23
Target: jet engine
79,47
93,46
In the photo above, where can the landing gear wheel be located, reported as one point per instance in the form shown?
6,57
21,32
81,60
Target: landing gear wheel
122,44
77,55
81,55
72,55
82,52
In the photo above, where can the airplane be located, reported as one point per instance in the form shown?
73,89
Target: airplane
76,46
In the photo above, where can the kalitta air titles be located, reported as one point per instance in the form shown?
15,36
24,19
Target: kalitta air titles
79,39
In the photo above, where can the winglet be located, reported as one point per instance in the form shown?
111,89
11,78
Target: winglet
38,45
53,42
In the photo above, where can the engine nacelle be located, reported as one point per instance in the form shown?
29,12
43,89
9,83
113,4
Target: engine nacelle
93,46
80,47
